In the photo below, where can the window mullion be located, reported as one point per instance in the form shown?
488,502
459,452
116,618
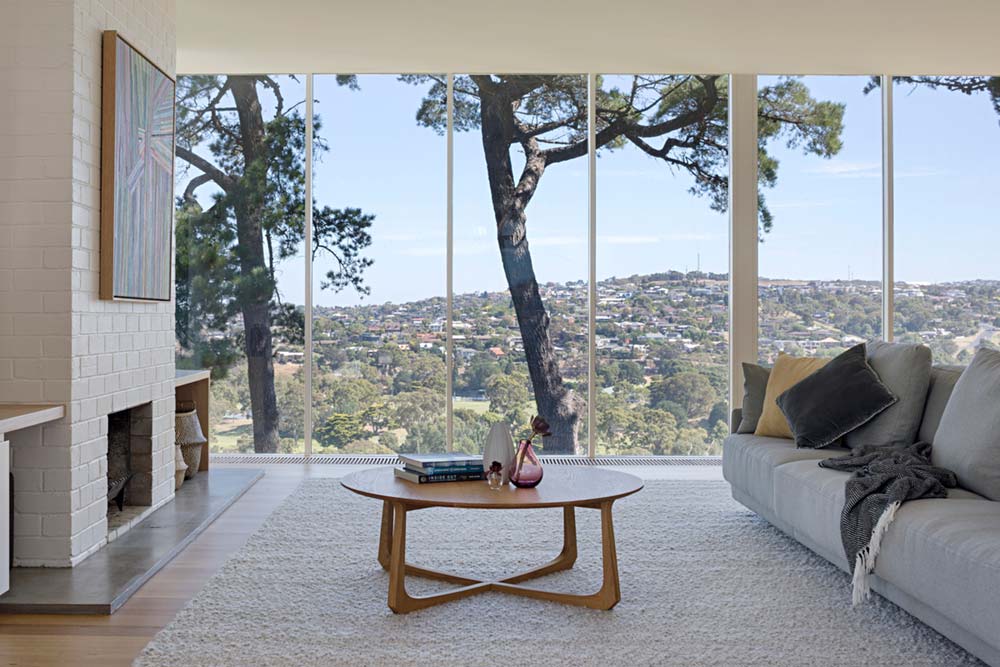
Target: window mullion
449,280
592,266
888,279
307,366
743,308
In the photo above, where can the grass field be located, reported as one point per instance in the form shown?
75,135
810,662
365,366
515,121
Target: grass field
225,437
479,407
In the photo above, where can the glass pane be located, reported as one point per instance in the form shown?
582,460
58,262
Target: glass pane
379,247
821,214
662,264
947,229
520,263
239,278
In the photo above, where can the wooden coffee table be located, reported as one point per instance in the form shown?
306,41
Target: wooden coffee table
564,487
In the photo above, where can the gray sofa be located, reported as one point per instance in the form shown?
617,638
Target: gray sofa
940,559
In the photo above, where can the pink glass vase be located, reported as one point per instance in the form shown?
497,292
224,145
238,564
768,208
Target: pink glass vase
527,469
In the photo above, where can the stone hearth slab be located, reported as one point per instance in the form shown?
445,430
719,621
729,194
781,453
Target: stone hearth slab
102,583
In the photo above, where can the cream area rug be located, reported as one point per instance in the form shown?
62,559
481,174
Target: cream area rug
703,580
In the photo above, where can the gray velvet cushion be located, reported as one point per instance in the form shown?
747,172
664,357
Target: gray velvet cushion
943,379
905,368
967,441
835,400
754,387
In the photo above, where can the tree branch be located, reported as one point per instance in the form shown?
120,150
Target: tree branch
624,126
221,178
604,136
273,85
193,185
534,166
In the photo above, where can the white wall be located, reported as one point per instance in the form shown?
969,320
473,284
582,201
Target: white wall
58,342
36,155
624,36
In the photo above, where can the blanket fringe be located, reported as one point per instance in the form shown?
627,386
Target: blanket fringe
864,562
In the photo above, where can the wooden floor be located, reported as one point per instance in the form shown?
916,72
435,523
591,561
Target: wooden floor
113,641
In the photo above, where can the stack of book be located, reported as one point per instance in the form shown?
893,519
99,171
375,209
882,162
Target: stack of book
448,467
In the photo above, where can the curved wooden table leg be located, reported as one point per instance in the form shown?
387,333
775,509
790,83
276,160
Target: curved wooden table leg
392,557
565,559
385,536
610,593
402,602
385,554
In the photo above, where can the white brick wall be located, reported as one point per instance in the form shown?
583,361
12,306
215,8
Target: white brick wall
58,342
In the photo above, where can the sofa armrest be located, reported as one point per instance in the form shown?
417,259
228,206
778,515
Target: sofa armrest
734,421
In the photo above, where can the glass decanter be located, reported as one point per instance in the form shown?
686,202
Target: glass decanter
527,469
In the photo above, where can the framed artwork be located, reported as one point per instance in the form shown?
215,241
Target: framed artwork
137,175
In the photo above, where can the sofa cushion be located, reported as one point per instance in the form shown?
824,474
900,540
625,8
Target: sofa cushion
906,369
787,371
749,462
946,554
943,379
835,400
967,440
809,499
754,387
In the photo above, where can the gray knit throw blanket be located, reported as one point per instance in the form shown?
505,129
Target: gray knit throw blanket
884,478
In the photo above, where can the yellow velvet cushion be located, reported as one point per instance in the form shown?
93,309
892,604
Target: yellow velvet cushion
787,372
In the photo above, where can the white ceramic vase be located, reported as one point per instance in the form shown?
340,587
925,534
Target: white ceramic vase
499,447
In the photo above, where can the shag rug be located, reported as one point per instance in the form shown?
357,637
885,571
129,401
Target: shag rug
703,580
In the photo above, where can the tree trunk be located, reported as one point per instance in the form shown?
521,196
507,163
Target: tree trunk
554,401
256,296
260,375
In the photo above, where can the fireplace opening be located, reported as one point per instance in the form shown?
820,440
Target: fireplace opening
130,466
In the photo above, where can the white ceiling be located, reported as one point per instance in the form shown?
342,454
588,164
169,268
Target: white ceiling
626,36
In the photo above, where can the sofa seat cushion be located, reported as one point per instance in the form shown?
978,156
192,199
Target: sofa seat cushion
946,553
809,499
749,462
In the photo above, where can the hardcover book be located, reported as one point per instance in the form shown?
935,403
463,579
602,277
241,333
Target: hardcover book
421,478
437,470
441,460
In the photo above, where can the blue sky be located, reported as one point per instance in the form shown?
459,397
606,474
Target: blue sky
827,212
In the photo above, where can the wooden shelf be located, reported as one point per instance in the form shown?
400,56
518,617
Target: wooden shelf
184,377
15,416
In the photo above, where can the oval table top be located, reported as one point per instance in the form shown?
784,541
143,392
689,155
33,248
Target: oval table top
561,486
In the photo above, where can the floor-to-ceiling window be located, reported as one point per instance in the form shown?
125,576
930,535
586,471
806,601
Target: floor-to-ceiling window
946,156
240,256
524,321
520,312
662,264
379,262
820,217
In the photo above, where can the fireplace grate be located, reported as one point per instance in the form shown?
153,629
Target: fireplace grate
385,459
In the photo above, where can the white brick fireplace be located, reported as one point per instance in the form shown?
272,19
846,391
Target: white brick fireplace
58,342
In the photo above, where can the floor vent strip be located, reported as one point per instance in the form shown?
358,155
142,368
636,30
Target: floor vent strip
382,459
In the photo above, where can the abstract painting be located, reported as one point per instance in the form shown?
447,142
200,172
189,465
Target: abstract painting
137,175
